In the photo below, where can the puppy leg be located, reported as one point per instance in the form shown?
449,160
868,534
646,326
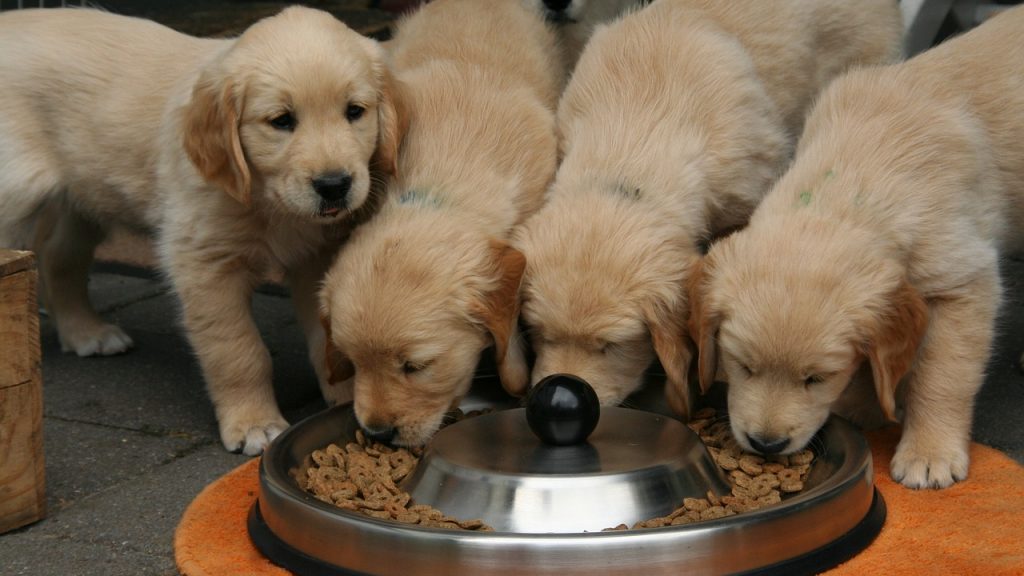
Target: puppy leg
304,281
216,296
65,242
933,451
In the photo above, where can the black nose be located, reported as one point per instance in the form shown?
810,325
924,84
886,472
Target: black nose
333,186
768,446
382,435
557,5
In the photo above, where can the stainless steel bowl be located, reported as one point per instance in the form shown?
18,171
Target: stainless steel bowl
837,515
636,465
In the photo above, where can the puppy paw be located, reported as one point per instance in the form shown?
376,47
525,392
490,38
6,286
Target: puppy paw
934,468
250,437
95,340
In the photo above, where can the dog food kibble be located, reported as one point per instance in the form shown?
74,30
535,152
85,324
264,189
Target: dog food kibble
757,481
363,476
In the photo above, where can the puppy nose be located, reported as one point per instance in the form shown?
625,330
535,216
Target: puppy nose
333,186
557,5
382,435
768,445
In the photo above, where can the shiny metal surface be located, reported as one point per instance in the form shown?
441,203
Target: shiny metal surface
838,496
638,465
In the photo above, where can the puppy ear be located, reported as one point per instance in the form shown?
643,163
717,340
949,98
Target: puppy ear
392,123
339,367
668,334
499,312
893,342
703,326
212,140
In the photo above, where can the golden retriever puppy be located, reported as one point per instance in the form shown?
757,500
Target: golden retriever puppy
878,248
676,121
427,284
241,156
576,20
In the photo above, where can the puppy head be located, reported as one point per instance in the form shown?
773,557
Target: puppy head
589,11
601,297
411,316
292,114
789,316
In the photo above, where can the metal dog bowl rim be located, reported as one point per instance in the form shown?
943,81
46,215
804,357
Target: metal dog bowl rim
279,495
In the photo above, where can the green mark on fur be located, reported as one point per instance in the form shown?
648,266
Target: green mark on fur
805,196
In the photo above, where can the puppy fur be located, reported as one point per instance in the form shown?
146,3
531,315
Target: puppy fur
430,281
576,19
113,120
676,121
877,250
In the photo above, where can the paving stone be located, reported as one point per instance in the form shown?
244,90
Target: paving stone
84,459
141,513
26,554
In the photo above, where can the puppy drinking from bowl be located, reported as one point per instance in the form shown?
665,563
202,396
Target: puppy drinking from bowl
878,250
242,156
427,284
676,121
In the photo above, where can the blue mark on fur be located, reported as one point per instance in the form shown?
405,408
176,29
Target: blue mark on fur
419,198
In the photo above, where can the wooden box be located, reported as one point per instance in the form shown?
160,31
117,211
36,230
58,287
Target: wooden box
22,475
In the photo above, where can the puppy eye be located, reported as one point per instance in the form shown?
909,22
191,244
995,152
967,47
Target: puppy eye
814,379
412,367
746,370
354,112
284,121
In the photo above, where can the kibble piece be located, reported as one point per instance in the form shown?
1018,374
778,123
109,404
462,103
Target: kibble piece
322,458
772,497
471,524
344,491
698,425
771,479
713,499
697,504
713,513
791,486
751,464
802,457
727,461
740,478
407,517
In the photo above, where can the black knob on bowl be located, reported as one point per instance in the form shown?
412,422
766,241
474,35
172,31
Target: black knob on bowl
562,410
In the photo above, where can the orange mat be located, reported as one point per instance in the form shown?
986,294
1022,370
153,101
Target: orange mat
974,527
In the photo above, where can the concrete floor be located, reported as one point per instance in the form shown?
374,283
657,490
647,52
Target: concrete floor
130,440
